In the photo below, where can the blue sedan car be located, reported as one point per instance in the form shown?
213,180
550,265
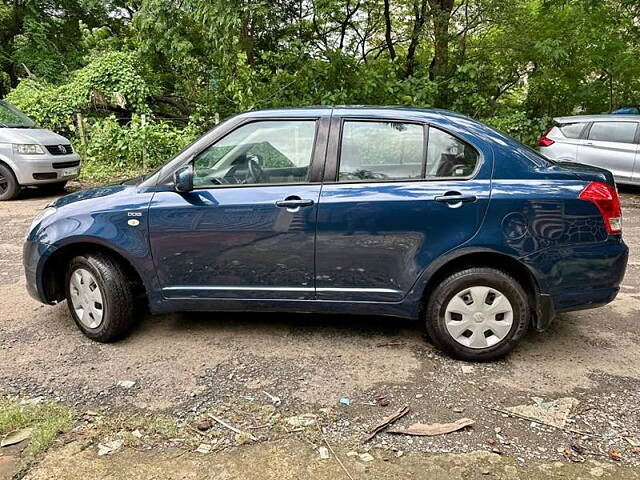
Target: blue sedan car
420,214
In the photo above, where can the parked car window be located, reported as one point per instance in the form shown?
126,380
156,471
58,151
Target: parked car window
258,153
571,130
448,156
620,132
381,151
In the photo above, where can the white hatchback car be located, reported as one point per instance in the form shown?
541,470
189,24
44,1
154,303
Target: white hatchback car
32,156
606,141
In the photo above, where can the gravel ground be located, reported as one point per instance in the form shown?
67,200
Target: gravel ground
184,365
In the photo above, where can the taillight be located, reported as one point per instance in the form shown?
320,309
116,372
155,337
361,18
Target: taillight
606,199
545,141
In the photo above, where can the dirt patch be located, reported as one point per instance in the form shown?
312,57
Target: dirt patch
295,459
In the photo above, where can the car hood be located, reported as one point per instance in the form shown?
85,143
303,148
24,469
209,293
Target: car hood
31,135
103,193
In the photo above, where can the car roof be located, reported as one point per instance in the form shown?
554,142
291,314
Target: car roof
351,109
598,118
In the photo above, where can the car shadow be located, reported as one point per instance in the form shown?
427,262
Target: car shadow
633,189
275,323
32,193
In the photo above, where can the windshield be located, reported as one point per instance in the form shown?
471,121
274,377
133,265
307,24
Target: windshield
11,117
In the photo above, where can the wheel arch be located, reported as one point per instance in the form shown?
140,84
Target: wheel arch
492,259
55,266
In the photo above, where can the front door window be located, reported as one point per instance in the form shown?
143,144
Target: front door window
267,152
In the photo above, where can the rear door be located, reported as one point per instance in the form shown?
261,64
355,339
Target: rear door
397,194
611,145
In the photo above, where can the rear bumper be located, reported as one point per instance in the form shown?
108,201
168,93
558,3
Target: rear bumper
43,169
577,277
584,299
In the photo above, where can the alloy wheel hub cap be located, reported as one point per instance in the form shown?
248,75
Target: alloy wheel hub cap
479,317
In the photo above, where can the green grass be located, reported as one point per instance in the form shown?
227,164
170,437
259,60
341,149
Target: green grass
47,419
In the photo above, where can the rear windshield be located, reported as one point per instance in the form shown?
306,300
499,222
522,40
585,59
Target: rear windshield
11,117
527,152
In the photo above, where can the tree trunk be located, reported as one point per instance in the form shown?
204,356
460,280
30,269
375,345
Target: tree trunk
420,14
246,38
387,30
441,14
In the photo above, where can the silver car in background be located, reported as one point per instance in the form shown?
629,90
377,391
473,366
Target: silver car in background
607,141
32,156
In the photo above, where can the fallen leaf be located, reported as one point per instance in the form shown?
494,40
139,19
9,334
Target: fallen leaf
16,437
434,428
615,455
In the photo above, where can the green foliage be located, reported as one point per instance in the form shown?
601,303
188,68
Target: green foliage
109,81
513,63
516,124
117,150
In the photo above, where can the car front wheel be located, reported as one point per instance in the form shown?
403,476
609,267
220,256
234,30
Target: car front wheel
477,314
9,187
100,297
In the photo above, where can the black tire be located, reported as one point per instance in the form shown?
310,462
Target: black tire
457,282
57,187
9,187
117,294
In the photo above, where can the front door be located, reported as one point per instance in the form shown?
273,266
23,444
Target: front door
247,230
403,195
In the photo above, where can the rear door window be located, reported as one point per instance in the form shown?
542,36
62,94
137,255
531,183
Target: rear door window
448,156
381,151
619,132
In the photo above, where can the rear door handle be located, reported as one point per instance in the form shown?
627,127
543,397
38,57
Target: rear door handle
456,198
294,202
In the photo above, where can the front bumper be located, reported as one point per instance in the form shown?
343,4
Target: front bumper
32,254
43,169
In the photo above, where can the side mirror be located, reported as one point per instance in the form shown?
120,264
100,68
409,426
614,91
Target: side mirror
183,179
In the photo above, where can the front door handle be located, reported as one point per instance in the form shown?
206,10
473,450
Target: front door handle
455,198
294,202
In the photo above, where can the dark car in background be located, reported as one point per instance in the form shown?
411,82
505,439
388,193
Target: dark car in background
419,214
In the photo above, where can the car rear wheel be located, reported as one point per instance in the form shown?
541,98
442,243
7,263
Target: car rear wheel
100,297
477,314
9,187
